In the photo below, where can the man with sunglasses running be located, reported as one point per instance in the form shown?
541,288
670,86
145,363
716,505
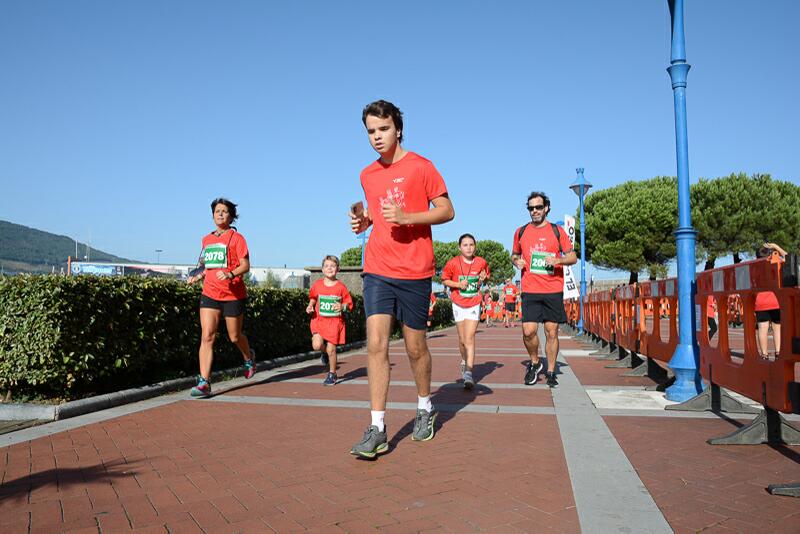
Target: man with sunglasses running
540,251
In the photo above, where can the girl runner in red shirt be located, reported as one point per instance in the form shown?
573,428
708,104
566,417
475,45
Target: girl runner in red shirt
464,275
225,260
328,298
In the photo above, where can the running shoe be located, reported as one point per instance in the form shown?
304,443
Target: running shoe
551,379
532,374
323,359
202,389
423,425
469,383
250,365
463,367
372,444
330,380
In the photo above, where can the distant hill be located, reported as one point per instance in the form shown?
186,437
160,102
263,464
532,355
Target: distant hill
24,249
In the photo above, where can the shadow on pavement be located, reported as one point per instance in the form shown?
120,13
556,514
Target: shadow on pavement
18,489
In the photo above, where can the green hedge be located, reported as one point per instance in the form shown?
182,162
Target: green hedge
73,337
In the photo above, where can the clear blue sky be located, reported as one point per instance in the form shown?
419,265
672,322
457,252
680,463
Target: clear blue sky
120,121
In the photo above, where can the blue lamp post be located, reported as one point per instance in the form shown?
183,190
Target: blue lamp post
684,362
363,237
580,186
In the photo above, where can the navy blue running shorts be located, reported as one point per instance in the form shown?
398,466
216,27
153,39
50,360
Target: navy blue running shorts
405,300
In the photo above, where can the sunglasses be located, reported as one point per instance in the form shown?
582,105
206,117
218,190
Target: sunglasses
540,207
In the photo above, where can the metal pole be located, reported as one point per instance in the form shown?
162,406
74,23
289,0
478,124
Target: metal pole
685,360
583,261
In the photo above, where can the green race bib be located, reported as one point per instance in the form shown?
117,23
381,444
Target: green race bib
326,303
473,284
215,256
538,265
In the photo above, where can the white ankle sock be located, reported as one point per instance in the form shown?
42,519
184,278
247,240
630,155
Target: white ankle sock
424,403
377,419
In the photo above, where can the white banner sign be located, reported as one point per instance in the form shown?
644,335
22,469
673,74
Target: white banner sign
570,285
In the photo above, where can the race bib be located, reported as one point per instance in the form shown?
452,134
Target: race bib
538,265
473,284
509,291
326,303
215,256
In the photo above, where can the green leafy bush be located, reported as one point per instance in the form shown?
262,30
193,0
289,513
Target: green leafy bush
72,337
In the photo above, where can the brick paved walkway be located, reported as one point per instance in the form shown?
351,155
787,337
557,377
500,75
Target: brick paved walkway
272,455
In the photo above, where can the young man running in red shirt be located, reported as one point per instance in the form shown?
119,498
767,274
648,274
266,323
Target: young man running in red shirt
540,250
400,188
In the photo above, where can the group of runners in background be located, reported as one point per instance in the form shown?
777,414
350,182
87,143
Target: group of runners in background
405,196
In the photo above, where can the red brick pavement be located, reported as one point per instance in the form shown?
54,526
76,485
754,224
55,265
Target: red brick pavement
206,466
222,468
702,487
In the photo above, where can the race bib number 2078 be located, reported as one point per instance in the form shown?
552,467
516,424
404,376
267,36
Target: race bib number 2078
215,256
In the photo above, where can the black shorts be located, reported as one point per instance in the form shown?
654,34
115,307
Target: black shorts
769,316
229,308
405,300
511,306
543,308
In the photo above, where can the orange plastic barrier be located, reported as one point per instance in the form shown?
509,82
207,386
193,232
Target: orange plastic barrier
627,322
761,379
665,292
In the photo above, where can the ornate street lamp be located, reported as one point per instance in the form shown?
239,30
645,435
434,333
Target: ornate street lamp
684,362
580,186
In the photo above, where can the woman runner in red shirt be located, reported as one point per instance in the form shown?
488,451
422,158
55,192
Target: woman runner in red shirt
464,275
225,259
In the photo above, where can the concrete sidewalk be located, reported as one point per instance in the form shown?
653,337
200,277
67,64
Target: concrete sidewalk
271,454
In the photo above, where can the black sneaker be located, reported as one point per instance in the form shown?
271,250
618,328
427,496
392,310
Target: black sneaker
330,380
323,359
532,374
469,382
372,444
551,379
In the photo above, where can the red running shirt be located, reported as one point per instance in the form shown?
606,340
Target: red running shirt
432,305
509,293
536,244
394,251
326,322
223,253
457,269
766,300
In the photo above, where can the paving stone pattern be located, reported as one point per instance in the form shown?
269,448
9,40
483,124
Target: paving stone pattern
236,463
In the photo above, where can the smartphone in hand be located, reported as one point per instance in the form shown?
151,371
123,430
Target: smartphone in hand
357,209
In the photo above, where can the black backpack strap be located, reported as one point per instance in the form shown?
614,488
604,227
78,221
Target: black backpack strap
520,232
556,231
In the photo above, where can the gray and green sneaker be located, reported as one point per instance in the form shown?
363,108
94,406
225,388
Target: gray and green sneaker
423,425
372,444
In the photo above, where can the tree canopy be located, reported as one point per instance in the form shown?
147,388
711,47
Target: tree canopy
630,226
736,214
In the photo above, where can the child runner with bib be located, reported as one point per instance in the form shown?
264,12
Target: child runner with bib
225,259
328,298
464,275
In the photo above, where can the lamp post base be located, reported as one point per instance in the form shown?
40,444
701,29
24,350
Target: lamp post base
688,383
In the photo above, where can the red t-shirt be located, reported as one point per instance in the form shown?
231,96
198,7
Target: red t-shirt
509,293
766,300
326,322
395,251
537,243
223,253
456,269
432,305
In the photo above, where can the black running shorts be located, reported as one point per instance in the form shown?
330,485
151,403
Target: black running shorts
229,308
543,308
